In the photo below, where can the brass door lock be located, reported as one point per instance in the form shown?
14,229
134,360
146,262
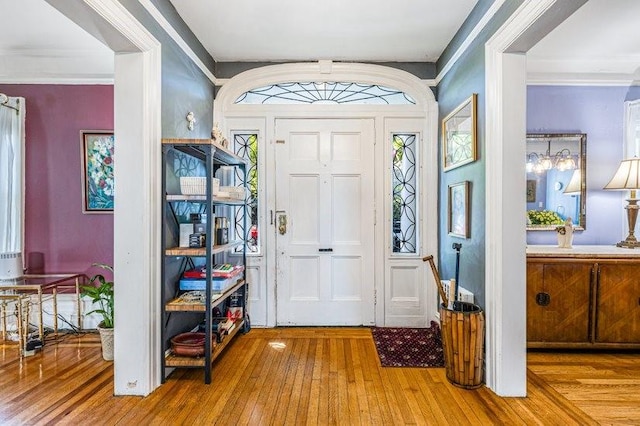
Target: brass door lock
282,224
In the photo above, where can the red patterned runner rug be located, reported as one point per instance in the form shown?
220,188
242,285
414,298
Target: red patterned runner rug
409,347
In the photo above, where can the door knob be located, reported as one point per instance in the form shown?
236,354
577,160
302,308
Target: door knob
543,299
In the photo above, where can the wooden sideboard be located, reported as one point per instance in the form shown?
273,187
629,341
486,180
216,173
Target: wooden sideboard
584,297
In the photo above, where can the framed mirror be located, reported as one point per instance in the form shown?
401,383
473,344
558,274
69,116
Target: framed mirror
556,180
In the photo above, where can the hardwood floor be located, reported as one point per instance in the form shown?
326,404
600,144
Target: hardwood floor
311,376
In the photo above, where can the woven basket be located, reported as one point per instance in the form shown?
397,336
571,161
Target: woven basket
190,185
188,344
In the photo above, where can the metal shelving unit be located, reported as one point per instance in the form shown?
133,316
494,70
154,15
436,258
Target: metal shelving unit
179,315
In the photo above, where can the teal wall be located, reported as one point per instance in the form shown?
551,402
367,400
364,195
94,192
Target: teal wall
184,86
467,76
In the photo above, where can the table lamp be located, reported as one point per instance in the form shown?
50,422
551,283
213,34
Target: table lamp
575,184
628,177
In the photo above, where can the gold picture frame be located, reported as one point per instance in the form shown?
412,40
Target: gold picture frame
97,158
459,135
458,210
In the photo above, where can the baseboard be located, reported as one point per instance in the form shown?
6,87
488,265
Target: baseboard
67,314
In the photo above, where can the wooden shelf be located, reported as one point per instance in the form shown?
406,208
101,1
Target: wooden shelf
177,305
172,360
203,199
200,251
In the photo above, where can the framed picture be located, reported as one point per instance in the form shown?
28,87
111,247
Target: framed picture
531,190
97,148
459,135
458,210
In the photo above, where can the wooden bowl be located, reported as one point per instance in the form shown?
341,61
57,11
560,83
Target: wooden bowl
188,344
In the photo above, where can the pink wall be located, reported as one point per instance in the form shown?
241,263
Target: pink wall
55,226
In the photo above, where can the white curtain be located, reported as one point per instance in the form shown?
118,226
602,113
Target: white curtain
12,175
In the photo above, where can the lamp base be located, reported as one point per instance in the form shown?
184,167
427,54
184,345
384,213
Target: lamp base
628,244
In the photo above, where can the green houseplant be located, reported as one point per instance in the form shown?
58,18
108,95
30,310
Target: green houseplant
100,291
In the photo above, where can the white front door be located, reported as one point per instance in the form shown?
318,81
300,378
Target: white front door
324,221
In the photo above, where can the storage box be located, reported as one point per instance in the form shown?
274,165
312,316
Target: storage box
235,192
191,185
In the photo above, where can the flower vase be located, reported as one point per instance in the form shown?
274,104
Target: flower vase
565,234
568,239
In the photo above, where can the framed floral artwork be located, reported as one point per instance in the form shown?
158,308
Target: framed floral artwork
97,153
459,135
458,210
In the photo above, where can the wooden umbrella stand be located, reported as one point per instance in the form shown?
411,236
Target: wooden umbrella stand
462,326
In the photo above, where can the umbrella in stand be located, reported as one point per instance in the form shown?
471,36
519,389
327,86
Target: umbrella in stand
456,247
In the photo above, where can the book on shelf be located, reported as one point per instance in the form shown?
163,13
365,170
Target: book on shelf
228,325
195,279
221,270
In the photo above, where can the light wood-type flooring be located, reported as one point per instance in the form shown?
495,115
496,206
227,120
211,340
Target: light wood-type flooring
288,376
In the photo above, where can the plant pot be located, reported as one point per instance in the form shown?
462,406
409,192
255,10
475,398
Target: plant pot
106,338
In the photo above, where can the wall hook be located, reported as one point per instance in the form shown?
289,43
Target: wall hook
191,120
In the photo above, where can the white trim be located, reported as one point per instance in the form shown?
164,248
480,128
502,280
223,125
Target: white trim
166,26
430,82
365,73
84,80
504,251
137,93
495,6
539,79
426,108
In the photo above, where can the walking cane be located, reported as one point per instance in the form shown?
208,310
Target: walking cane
443,296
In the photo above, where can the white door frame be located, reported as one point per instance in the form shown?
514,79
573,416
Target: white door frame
137,93
505,82
426,109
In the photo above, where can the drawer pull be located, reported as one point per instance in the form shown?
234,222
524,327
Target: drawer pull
543,299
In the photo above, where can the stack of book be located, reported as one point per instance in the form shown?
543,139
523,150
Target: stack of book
223,276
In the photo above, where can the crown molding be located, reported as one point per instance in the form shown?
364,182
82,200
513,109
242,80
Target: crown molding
580,79
166,26
473,34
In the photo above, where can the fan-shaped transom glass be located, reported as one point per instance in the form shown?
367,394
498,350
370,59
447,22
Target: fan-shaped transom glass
325,93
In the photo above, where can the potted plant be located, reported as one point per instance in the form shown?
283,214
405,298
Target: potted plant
100,291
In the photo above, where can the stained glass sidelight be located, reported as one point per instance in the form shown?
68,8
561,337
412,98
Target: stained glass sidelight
245,145
404,180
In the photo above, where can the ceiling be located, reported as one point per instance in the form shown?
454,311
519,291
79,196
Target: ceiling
302,30
39,44
599,42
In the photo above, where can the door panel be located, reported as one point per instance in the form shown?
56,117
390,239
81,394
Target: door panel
324,175
305,278
346,227
306,191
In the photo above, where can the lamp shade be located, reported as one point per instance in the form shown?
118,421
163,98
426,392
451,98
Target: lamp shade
575,184
627,176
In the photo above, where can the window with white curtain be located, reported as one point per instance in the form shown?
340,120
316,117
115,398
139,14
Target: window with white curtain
632,128
12,115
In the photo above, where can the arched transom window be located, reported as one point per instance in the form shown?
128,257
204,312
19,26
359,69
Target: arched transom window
325,93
